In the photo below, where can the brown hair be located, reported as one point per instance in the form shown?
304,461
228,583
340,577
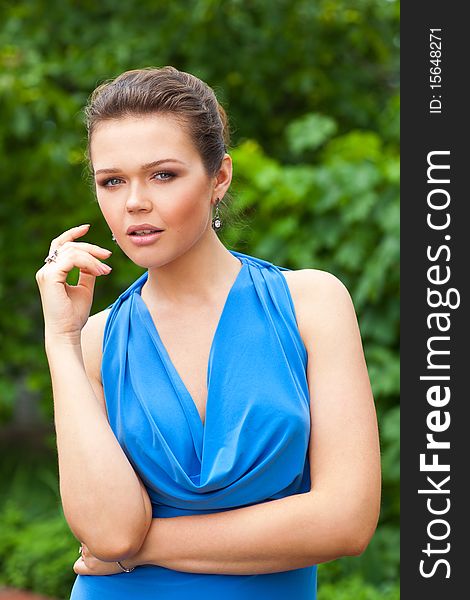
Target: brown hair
164,90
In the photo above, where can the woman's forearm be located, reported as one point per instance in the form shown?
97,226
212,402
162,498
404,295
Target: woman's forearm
279,535
104,502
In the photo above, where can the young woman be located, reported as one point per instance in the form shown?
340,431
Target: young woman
216,429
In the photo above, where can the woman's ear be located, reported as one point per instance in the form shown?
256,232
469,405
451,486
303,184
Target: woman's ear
223,179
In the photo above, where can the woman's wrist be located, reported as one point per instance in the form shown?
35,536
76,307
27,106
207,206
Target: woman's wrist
134,561
124,568
54,340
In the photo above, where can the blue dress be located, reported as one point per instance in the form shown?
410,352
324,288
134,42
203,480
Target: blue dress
252,447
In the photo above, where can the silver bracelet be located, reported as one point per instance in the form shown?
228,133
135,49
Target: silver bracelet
125,569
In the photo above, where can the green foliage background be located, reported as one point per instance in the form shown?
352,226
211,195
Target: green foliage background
311,87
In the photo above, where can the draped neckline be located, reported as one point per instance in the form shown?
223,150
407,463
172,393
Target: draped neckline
198,426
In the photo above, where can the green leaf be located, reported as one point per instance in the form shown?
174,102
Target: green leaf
309,132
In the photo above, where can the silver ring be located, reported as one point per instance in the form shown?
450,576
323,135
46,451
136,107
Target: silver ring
52,257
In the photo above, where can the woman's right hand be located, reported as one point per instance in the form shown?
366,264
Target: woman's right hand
67,307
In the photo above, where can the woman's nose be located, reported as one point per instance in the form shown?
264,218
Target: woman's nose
138,199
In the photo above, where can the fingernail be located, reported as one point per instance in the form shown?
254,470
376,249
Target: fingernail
106,268
85,225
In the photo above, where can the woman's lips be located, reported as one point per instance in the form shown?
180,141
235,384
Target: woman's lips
145,239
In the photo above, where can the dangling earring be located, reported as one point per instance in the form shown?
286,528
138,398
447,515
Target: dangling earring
216,221
113,238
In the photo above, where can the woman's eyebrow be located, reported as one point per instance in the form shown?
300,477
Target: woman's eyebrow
145,167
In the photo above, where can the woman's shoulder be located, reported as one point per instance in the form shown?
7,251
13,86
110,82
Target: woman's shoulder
319,297
314,285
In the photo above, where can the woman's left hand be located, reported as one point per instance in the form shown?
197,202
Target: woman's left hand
87,564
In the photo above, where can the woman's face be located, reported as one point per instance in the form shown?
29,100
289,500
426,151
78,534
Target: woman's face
149,174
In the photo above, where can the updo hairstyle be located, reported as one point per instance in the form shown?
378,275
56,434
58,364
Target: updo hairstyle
166,91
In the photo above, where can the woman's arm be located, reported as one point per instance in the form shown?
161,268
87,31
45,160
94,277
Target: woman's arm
104,502
339,514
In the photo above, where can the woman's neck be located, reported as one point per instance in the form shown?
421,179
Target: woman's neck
200,275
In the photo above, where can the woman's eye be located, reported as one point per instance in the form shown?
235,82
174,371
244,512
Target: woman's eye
160,176
163,175
107,182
